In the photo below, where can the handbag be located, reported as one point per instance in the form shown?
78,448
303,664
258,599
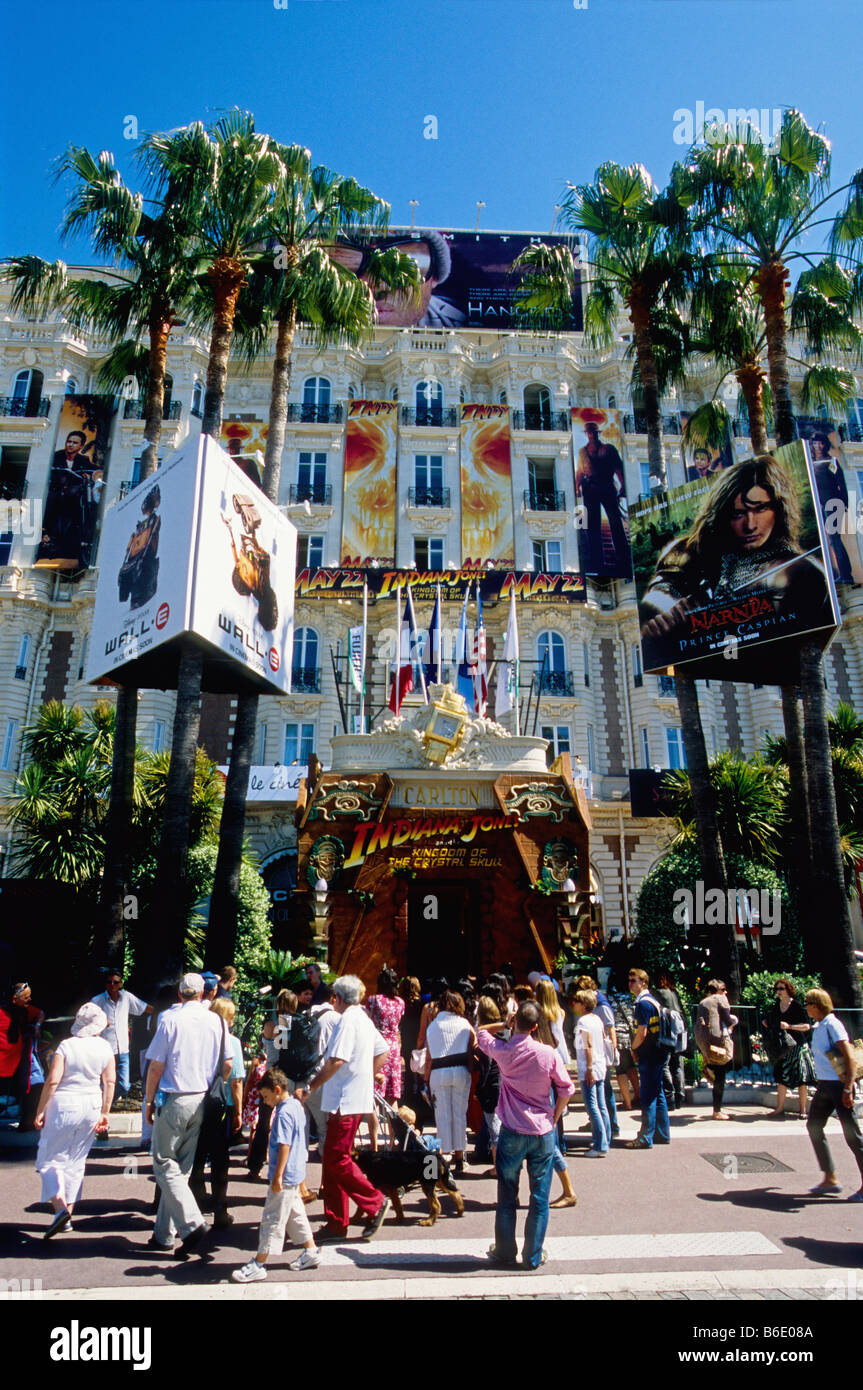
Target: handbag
787,1043
214,1101
837,1060
418,1061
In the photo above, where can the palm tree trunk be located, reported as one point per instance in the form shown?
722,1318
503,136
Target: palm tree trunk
833,938
798,863
751,380
723,946
110,936
771,281
639,314
228,277
279,402
162,949
225,897
160,327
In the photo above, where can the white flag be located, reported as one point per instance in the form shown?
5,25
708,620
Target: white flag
506,695
355,649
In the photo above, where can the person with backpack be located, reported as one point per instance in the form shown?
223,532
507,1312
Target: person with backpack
713,1027
650,1056
673,1078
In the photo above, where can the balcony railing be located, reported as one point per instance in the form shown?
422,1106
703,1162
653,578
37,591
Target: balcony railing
667,685
137,410
541,420
15,405
851,433
637,423
13,489
550,501
306,680
428,496
303,414
430,416
319,494
557,683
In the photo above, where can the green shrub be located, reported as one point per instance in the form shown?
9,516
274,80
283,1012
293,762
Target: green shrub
758,989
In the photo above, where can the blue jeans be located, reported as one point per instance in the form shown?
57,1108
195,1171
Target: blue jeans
611,1103
600,1125
537,1150
122,1063
654,1108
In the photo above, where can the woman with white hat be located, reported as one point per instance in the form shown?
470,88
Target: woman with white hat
73,1109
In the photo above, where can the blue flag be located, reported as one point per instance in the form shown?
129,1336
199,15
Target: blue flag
463,654
434,655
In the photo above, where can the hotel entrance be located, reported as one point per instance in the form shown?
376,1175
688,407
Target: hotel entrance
443,930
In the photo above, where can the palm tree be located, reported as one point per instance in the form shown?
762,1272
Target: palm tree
639,257
751,796
304,282
756,205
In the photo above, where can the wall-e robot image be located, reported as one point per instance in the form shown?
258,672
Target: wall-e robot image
252,563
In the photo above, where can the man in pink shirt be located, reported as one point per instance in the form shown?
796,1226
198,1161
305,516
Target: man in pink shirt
529,1073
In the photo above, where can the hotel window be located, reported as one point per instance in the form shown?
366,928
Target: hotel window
311,477
645,747
23,658
502,398
542,492
547,558
158,735
9,744
591,749
310,552
198,399
299,743
537,407
316,391
644,473
305,674
262,744
428,553
637,668
674,745
71,387
82,660
585,657
559,740
6,539
428,480
612,403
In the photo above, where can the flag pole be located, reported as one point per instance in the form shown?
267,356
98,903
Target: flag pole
439,662
411,633
363,667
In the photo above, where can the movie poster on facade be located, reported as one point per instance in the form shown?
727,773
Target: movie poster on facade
729,566
369,504
702,460
839,505
600,493
487,531
73,499
194,551
246,443
467,278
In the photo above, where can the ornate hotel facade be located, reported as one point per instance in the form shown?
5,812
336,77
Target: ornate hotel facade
595,701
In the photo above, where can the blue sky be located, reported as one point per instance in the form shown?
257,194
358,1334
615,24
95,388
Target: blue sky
526,93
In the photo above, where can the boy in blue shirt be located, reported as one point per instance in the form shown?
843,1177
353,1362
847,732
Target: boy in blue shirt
284,1208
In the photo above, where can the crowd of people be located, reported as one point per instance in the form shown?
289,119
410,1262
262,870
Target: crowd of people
494,1057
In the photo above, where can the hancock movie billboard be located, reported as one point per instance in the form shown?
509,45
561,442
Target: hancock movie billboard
729,567
194,553
468,280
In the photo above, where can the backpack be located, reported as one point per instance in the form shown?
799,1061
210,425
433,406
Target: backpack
672,1030
299,1048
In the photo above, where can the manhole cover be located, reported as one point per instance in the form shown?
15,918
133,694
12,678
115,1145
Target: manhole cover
747,1163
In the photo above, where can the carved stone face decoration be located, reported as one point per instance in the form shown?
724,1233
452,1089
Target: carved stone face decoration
559,862
325,859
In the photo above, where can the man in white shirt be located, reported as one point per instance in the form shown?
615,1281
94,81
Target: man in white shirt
183,1060
117,1004
346,1082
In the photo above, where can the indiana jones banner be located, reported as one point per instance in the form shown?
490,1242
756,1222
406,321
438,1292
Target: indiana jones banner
243,440
75,485
486,485
369,507
727,566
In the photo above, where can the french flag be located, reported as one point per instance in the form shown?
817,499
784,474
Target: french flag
403,671
478,662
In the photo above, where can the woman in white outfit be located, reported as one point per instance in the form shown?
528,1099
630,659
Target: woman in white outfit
73,1108
450,1043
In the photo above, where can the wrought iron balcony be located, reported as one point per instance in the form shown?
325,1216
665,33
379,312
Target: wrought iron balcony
319,494
667,685
13,489
137,410
428,496
306,680
851,433
635,424
431,416
541,420
17,405
671,424
542,500
557,683
303,414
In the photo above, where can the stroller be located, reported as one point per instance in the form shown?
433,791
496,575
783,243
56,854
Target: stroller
407,1160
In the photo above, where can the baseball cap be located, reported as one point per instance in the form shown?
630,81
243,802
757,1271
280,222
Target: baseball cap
210,980
192,984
